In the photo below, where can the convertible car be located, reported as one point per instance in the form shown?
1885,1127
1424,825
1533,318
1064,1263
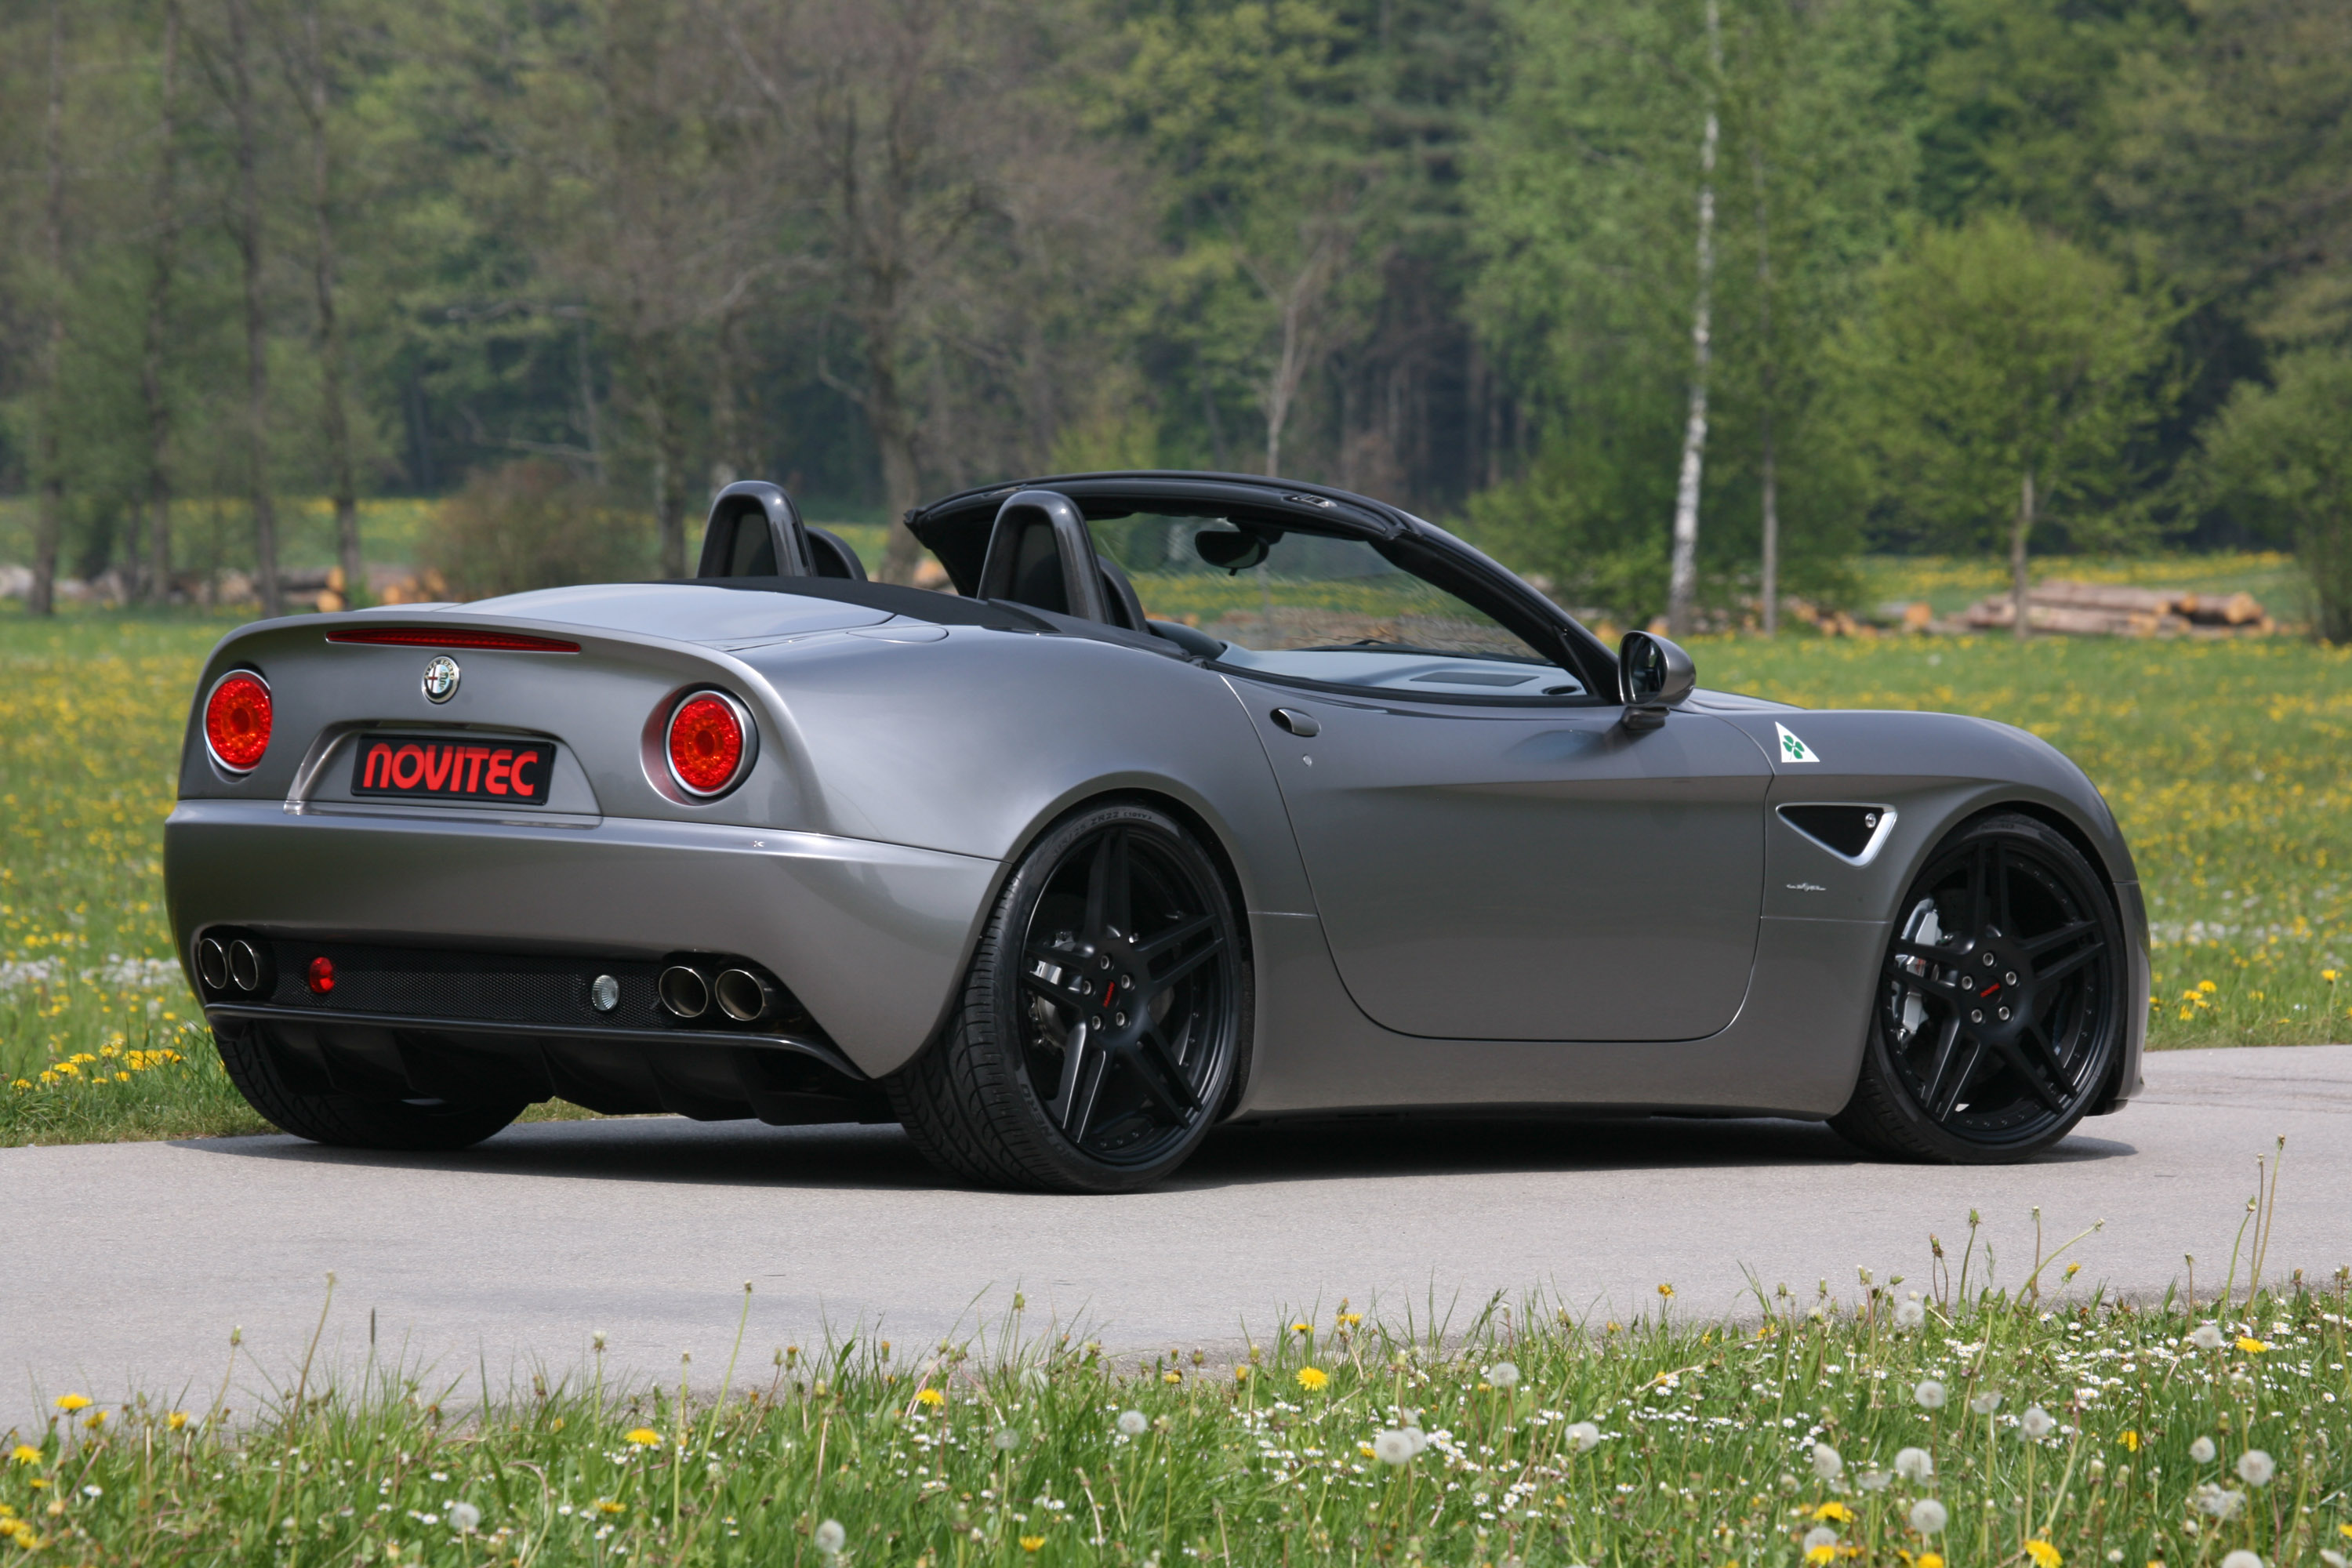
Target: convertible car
1201,797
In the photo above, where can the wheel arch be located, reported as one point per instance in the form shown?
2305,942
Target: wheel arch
1191,815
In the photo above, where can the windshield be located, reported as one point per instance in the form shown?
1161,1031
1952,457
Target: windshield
1325,609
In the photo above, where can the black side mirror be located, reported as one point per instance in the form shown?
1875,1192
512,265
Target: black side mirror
1234,551
1652,675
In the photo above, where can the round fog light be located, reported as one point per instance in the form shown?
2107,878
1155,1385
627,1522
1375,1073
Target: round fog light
604,994
320,976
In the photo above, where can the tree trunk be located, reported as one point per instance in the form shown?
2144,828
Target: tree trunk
668,433
242,109
2017,536
49,521
1682,583
159,320
894,442
333,416
1770,586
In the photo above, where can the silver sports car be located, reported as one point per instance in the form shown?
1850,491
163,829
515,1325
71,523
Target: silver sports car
1201,797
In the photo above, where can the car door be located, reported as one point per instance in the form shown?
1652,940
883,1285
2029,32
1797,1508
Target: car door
1532,873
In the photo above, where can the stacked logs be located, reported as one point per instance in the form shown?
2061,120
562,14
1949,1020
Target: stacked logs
2107,609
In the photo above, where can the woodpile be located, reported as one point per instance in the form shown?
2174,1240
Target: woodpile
2110,609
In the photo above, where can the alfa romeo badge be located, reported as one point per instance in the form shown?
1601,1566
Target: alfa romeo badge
441,679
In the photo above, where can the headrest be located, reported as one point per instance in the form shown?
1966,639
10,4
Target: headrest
755,530
1040,554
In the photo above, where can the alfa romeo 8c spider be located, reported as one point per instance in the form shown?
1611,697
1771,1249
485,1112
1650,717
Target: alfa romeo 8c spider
1192,798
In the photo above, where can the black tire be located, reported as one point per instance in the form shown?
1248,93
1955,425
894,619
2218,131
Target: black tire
1041,1078
347,1120
2000,1006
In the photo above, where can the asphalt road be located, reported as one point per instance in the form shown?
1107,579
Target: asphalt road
125,1267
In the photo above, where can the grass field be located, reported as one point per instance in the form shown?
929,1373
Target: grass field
2225,763
1920,1427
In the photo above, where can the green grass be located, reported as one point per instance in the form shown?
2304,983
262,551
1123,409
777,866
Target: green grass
1527,1438
1951,584
2224,762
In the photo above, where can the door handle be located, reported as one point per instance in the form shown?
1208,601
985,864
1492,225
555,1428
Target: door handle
1302,725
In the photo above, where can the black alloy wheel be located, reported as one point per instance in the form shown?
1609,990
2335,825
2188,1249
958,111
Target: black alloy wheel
1104,1019
2001,1002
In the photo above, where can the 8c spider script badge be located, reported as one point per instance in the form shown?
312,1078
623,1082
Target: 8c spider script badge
441,679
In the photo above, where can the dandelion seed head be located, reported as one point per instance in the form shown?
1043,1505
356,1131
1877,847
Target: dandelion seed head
1503,1374
1915,1464
464,1518
1910,1315
2202,1450
830,1538
1987,1401
1821,1535
1393,1447
1583,1437
2256,1467
1007,1439
2036,1422
1929,1395
2241,1557
1928,1516
1132,1423
2206,1336
1827,1461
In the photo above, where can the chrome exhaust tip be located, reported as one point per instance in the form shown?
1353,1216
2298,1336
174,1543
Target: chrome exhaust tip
245,964
744,995
212,964
683,991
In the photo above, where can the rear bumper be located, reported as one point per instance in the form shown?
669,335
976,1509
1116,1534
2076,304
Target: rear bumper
872,938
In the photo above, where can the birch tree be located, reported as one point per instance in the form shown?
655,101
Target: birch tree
1682,580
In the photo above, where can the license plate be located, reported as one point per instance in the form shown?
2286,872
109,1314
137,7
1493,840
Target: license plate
446,768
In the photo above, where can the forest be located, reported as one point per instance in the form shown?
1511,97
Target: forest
1679,305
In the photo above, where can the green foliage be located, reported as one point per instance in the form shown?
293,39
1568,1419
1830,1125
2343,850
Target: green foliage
2281,457
1949,1417
1996,357
528,525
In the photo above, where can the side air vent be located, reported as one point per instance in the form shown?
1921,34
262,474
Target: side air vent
1849,832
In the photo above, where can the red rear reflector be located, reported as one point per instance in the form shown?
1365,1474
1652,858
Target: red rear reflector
236,720
437,636
706,742
320,975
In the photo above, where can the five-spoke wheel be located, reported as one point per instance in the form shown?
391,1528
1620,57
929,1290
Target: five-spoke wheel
2000,1008
1104,1019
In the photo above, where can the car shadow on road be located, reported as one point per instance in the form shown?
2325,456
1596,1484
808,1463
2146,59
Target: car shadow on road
747,1153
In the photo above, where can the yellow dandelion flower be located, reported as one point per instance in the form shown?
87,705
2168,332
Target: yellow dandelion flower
1241,1374
2252,1346
1834,1510
2044,1556
1031,1543
176,1420
2130,1440
1351,1319
24,1454
607,1505
2208,987
932,1397
1312,1378
1172,1375
1302,1328
70,1403
1822,1554
1928,1560
2328,976
94,1420
1667,1290
644,1438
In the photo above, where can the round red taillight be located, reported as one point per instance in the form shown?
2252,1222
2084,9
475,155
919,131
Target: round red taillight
707,742
320,975
236,720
